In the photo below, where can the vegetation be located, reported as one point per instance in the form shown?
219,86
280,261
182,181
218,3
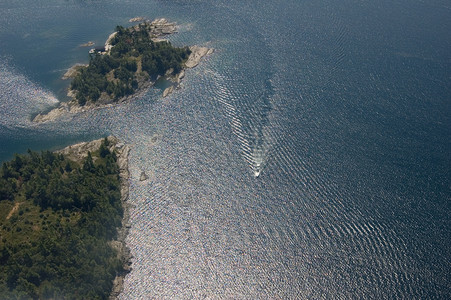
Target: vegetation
134,58
57,220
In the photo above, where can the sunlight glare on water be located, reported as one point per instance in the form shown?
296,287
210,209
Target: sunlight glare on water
308,157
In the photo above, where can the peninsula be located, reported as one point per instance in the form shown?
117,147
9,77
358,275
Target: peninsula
63,221
132,60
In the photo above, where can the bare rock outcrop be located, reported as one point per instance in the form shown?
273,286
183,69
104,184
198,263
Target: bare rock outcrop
73,71
196,55
143,176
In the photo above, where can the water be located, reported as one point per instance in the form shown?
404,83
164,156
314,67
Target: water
309,157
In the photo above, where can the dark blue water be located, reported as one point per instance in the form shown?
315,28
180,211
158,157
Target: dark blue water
341,108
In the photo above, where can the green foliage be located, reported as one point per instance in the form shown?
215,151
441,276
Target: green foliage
55,244
6,190
116,74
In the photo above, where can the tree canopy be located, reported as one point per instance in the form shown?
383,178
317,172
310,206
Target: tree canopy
134,58
57,220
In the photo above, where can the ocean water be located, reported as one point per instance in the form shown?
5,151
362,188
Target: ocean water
308,157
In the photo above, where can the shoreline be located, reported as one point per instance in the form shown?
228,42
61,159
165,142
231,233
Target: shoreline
160,27
78,152
120,243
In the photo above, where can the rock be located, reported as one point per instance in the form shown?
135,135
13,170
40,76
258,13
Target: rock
143,176
169,72
136,19
52,115
73,71
178,77
162,27
88,44
108,45
181,75
65,108
196,54
79,151
168,91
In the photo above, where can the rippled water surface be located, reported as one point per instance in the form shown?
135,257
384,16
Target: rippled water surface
308,157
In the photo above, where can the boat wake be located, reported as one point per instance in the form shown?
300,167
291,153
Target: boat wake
252,133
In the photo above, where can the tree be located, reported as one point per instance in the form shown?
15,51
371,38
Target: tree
89,164
68,167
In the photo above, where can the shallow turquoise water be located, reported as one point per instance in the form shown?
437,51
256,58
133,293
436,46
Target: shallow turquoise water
343,109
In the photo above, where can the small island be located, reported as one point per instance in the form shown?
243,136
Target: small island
132,60
63,221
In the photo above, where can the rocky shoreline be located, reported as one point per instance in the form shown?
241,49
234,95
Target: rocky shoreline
78,152
197,53
72,71
159,27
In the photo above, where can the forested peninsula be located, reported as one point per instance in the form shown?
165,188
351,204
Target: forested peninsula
132,60
63,222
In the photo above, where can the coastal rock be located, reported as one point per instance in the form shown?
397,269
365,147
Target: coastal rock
63,109
196,55
162,27
72,71
88,44
52,115
108,45
180,76
78,152
136,19
143,176
124,252
168,91
169,72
